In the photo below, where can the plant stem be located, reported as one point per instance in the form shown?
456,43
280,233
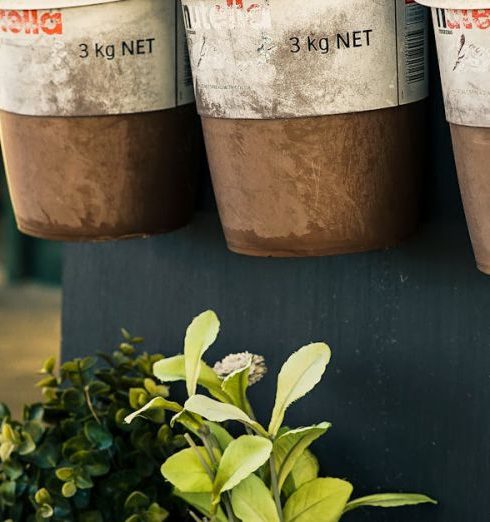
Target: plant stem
275,488
209,443
228,509
194,516
86,394
202,460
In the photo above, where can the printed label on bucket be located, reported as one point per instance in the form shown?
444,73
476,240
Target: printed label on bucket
292,58
112,58
463,44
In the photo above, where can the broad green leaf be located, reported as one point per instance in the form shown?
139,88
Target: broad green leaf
305,470
289,447
7,492
240,459
27,445
252,501
389,500
190,421
48,365
65,473
173,370
98,435
35,430
45,511
136,500
12,469
185,471
46,455
236,385
216,411
9,434
201,502
154,404
321,499
43,496
69,489
156,513
6,450
222,437
299,375
200,335
138,397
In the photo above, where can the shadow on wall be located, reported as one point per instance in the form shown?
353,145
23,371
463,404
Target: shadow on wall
22,256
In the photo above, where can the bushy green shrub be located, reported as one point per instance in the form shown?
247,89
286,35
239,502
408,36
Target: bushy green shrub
72,458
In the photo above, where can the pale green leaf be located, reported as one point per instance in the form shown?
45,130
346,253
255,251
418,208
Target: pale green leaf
252,501
6,450
289,447
305,470
321,499
240,459
299,375
216,411
201,502
48,365
389,500
155,404
200,335
185,471
190,421
236,385
222,437
172,369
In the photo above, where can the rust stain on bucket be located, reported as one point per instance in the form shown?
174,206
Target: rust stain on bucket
472,153
462,31
312,120
103,177
317,186
98,124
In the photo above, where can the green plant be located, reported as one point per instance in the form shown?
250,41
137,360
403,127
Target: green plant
266,474
73,458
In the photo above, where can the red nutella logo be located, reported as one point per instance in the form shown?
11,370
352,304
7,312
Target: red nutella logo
228,14
449,19
31,22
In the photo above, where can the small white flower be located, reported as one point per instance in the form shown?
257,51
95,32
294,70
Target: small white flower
237,361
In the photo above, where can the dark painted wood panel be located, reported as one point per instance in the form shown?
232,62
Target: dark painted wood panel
408,389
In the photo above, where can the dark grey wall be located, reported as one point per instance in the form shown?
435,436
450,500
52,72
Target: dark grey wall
408,390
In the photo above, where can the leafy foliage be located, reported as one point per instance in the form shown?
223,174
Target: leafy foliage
267,475
73,458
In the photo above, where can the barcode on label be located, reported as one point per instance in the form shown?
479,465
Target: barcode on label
415,56
415,15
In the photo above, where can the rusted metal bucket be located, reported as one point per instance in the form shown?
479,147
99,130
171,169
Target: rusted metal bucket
97,118
462,29
310,118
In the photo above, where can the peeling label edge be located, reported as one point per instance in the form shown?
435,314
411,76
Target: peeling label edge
29,5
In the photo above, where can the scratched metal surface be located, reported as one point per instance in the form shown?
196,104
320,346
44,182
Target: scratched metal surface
82,60
287,59
409,385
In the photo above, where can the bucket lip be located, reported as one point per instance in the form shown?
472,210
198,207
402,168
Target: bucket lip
32,5
456,4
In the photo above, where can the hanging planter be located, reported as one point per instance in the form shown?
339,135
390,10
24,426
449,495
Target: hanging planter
462,29
96,119
311,129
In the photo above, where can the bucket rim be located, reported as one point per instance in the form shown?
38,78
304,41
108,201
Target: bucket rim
32,5
455,4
